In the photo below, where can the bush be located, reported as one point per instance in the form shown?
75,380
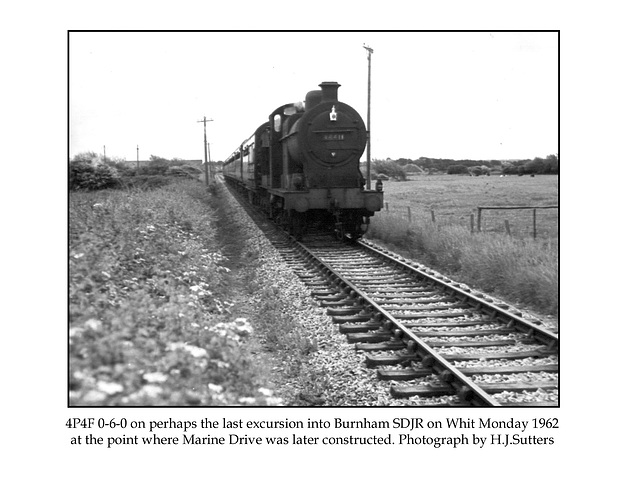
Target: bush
184,171
457,169
84,176
392,169
153,169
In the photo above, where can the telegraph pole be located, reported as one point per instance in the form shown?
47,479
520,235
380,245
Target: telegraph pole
137,159
104,154
369,52
206,161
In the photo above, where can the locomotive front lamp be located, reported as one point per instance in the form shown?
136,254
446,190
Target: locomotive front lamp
333,116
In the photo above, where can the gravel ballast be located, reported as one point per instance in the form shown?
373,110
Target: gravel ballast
333,373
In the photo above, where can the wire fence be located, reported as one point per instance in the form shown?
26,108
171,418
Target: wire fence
517,221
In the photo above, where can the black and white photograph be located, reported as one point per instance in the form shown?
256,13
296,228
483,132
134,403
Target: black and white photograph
313,218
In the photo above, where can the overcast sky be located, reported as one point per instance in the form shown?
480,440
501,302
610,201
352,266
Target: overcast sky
458,95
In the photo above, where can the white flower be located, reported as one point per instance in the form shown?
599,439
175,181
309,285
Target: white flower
150,390
109,387
155,377
265,392
93,324
94,396
196,352
242,327
215,389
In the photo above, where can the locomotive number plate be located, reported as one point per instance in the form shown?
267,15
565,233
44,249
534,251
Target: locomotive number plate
333,136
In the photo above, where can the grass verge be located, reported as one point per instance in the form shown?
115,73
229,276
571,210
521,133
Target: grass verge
523,271
150,321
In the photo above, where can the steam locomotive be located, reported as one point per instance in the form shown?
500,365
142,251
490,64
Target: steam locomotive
303,166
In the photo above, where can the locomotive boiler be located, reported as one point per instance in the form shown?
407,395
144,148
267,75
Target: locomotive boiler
303,166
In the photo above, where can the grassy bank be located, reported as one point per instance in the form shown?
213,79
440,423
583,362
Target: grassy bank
523,271
519,268
149,315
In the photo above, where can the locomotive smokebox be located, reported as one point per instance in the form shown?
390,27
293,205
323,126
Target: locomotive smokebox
329,91
326,141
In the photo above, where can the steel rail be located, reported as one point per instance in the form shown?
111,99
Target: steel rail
466,389
513,320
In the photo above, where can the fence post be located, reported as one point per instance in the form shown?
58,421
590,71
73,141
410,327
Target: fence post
386,205
472,223
409,213
506,226
534,223
479,219
433,216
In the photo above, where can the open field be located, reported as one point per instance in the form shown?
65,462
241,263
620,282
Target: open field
454,198
517,268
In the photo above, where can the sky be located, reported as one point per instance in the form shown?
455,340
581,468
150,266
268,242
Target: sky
459,95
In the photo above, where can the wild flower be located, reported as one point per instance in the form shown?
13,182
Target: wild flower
215,388
109,387
93,324
155,377
147,391
196,352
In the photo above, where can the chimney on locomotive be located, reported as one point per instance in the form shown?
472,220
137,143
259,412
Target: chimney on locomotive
329,91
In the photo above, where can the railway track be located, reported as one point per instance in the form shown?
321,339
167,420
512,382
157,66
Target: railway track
428,336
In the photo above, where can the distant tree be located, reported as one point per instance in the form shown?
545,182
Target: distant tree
536,165
392,169
457,169
91,158
514,167
157,166
479,170
552,164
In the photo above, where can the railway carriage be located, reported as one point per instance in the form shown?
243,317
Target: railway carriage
303,166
